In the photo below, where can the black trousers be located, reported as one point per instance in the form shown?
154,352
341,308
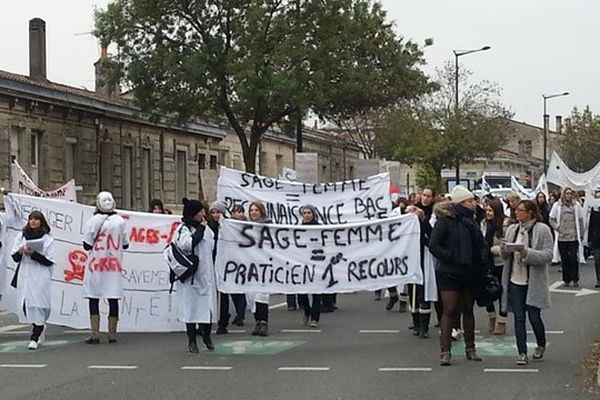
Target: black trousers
36,332
113,307
312,311
262,312
239,302
570,263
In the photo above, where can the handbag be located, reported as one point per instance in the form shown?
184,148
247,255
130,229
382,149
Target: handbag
489,290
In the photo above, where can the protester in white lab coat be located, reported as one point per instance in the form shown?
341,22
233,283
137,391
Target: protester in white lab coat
198,294
566,217
2,261
34,252
105,238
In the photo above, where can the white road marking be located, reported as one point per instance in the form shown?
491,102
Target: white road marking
549,332
15,333
577,292
112,366
8,328
4,312
303,369
75,332
277,305
519,370
379,331
206,368
301,331
22,365
404,369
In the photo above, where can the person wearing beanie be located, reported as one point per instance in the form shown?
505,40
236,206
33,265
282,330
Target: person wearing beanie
312,311
216,213
456,241
197,294
105,227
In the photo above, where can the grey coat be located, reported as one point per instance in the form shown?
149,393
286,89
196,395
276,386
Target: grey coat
538,259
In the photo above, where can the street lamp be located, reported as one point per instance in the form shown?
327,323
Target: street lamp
458,53
547,123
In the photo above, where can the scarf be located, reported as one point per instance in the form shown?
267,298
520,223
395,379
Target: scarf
31,234
190,222
468,252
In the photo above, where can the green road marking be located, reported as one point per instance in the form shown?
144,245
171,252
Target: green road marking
256,347
493,346
20,346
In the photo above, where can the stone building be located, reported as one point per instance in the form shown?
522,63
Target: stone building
57,132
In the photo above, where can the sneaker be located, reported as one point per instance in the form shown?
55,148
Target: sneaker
565,285
314,324
538,353
522,359
292,308
575,285
33,345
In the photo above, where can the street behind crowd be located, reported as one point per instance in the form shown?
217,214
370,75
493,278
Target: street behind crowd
360,351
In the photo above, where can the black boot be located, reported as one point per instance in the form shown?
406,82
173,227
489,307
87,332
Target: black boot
206,328
191,334
416,324
424,327
222,324
392,302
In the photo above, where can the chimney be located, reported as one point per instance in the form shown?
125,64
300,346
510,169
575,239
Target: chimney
37,49
107,81
559,124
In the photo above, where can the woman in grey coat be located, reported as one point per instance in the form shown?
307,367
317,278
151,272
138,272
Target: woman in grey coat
527,255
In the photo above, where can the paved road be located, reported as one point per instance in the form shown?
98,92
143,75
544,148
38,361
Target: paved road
359,352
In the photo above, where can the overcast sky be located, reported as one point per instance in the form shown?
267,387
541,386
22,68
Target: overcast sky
538,46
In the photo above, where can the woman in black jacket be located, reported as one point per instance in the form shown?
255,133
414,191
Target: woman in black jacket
311,312
594,236
458,244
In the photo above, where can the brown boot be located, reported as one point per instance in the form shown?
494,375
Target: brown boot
112,329
492,322
500,328
472,354
94,337
264,329
445,358
257,327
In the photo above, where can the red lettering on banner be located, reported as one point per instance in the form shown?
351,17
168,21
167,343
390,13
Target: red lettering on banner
106,264
137,235
174,227
152,236
77,259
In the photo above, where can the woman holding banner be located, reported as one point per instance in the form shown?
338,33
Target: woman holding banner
311,312
457,243
105,238
34,251
217,212
259,302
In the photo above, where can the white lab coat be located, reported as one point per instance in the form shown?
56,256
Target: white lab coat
579,214
198,296
103,278
3,260
34,283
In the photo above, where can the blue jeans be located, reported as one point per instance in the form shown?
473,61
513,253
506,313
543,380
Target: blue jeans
517,295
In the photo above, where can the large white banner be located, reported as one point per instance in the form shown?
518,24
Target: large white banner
336,203
146,306
270,258
529,194
561,175
24,185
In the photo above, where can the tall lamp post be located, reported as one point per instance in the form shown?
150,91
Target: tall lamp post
458,53
547,123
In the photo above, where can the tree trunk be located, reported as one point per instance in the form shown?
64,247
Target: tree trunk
439,187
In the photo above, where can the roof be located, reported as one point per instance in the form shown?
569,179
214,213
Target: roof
24,86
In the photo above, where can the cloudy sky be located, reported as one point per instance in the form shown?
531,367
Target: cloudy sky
538,46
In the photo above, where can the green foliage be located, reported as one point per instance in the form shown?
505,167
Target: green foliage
426,176
258,63
431,132
580,147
